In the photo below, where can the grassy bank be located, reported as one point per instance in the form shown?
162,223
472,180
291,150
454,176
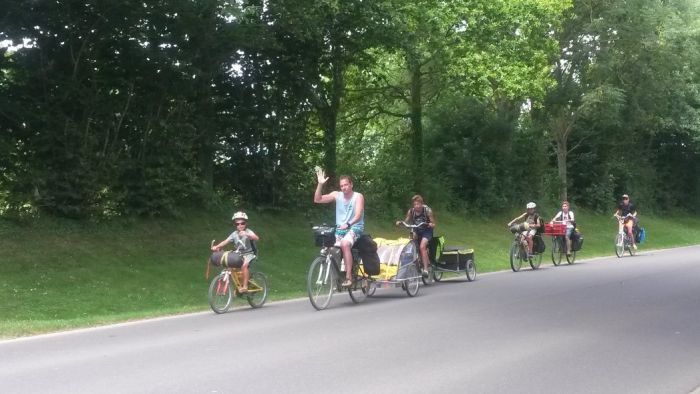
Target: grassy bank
59,274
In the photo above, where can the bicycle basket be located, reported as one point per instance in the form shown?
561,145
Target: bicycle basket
324,236
555,229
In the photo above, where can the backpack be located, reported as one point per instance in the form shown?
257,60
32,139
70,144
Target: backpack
426,211
540,228
367,249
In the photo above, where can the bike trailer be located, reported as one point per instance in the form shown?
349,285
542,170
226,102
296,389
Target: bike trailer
455,258
389,252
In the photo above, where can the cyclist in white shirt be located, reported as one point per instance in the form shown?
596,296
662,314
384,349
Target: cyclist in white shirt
567,217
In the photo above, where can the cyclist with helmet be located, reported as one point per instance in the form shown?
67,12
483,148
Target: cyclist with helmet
531,223
418,214
627,215
349,216
242,238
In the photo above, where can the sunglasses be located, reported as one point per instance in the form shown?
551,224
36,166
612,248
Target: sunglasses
240,223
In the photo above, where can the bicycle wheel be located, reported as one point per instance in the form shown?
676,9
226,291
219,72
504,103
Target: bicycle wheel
516,257
471,270
556,251
629,246
371,288
320,282
220,293
619,245
437,275
359,288
536,260
257,289
412,284
570,258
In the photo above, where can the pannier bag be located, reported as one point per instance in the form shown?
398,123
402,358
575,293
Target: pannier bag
228,259
367,248
576,241
435,247
538,244
640,235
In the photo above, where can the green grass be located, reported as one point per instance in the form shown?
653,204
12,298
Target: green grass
60,274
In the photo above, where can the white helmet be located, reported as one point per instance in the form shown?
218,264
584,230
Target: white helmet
531,205
240,215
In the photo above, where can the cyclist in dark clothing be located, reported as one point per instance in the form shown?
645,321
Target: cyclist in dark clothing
421,213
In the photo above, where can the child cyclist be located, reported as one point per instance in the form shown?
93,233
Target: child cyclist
242,238
533,224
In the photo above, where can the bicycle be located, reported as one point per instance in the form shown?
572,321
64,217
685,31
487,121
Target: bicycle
416,250
518,249
623,241
326,273
221,292
559,246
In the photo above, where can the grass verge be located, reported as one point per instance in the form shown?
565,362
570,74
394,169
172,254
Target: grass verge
60,274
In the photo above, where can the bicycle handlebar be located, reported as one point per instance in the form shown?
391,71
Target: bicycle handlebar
324,227
629,215
413,226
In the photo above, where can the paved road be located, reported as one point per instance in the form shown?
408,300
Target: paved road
628,325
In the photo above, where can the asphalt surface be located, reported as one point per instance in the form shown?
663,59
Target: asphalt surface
629,325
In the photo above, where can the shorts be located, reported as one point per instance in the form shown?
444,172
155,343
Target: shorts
349,235
569,232
248,258
425,233
530,233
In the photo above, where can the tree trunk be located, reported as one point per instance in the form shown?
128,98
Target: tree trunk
416,125
329,114
329,125
562,151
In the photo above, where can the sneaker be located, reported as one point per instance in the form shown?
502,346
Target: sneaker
347,283
424,274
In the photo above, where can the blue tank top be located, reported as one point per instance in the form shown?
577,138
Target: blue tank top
345,211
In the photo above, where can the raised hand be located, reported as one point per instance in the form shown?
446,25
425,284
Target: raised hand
321,175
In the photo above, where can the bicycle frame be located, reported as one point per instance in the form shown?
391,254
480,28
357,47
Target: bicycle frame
626,242
235,274
324,275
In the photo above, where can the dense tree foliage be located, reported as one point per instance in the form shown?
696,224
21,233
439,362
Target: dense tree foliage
142,108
